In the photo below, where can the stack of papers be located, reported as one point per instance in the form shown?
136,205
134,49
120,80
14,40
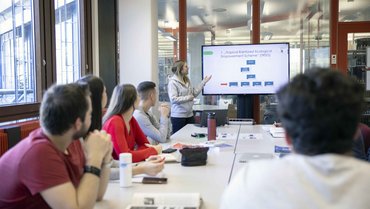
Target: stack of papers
216,143
277,132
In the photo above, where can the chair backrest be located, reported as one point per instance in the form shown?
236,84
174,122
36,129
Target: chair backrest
12,134
365,131
3,142
231,111
28,127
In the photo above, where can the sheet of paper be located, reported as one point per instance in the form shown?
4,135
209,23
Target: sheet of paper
226,136
250,136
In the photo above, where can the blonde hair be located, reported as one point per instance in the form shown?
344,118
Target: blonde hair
176,70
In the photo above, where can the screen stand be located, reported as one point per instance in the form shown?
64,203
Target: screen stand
245,106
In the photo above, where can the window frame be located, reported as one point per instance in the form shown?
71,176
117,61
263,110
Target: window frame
45,57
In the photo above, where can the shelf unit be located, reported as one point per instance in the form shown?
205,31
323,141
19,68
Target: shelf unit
357,68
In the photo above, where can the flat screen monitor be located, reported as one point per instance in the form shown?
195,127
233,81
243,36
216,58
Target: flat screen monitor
245,69
220,114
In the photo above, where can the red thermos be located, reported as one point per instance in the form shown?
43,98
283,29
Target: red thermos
211,124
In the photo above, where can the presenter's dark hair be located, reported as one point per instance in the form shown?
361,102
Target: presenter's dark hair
96,86
62,105
144,88
123,98
320,110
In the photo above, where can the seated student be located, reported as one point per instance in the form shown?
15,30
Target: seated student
320,111
50,168
124,129
99,100
358,147
158,132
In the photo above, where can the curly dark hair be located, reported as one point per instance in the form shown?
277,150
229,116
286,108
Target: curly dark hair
320,111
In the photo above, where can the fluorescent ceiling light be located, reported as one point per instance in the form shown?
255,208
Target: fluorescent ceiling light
169,36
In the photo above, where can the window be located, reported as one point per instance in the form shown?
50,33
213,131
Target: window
67,40
17,60
37,50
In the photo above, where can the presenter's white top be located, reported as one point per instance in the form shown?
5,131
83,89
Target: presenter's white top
298,181
181,96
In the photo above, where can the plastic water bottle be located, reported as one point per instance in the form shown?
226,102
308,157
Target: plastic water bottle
125,169
211,125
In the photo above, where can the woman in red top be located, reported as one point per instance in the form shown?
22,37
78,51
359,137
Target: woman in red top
126,133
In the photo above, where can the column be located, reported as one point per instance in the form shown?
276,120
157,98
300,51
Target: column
138,41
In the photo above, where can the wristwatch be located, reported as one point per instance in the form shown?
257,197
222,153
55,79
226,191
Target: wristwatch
92,169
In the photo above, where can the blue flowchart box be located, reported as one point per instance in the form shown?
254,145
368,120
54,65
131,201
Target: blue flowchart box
233,83
269,83
251,62
244,69
249,76
244,84
257,83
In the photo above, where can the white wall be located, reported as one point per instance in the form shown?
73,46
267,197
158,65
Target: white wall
138,41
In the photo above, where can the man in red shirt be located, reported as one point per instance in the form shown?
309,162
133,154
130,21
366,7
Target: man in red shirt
51,168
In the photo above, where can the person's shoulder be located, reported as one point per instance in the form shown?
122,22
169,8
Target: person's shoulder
36,139
29,146
138,113
352,161
35,149
173,80
114,119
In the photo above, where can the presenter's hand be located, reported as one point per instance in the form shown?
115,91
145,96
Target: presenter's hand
157,147
207,78
97,146
190,97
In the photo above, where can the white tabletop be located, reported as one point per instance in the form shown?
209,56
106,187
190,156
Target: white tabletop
208,107
257,139
209,180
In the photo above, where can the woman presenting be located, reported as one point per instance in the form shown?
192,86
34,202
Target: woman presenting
182,94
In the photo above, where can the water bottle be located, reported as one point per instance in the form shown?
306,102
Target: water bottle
211,125
125,169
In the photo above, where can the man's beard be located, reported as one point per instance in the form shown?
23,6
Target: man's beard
81,133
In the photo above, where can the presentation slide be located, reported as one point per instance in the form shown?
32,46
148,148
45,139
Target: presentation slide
245,69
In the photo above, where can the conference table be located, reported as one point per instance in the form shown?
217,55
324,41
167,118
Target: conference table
209,180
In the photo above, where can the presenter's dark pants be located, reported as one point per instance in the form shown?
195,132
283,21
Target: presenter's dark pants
178,123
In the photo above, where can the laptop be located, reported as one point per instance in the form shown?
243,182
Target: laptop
221,117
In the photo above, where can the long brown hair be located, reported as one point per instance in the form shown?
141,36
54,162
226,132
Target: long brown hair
176,69
123,98
96,86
